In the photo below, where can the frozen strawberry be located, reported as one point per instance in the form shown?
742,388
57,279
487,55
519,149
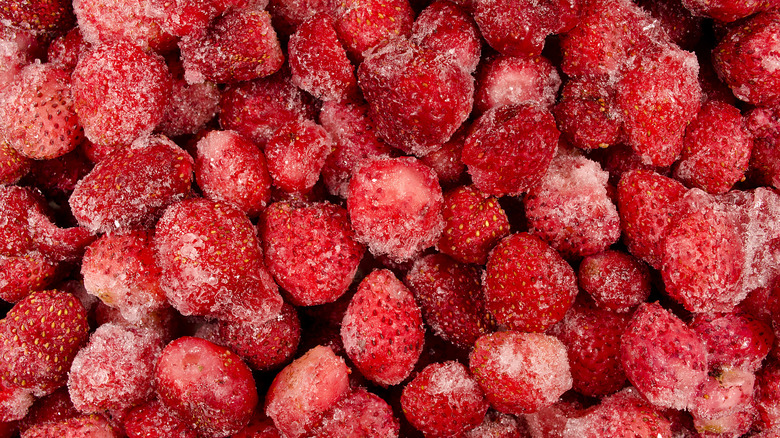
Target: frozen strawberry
726,392
364,24
716,149
592,339
418,97
360,413
191,106
41,335
395,206
735,424
740,59
39,16
208,386
527,285
120,269
517,28
768,394
296,153
120,93
443,400
15,402
680,24
310,250
647,204
132,186
260,426
623,414
154,420
734,340
83,426
446,160
616,280
231,169
354,138
304,390
57,177
184,17
520,372
382,329
570,207
13,165
115,370
587,114
114,21
723,10
289,14
264,346
66,49
702,255
49,409
212,263
256,109
506,80
446,27
238,46
475,222
39,119
509,148
319,62
450,296
764,125
20,275
664,359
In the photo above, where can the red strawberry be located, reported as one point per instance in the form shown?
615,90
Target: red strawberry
615,280
136,22
15,402
260,426
310,250
40,336
764,125
506,80
446,27
93,425
450,296
40,120
664,359
44,16
474,223
768,394
509,148
418,97
734,340
238,46
212,263
57,177
296,154
304,390
66,49
191,106
359,413
185,17
319,62
592,338
587,113
154,420
498,425
527,285
647,203
264,346
363,24
443,400
13,165
382,329
620,415
208,386
231,169
115,370
446,160
520,372
132,186
20,275
724,10
50,409
120,93
681,24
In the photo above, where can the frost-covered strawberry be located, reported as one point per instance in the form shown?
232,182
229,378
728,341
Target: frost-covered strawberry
418,97
304,390
113,21
191,105
51,408
356,414
238,46
395,206
615,280
310,250
22,274
625,414
364,24
664,359
40,337
520,372
734,340
505,80
229,168
39,16
764,125
132,186
155,420
382,329
587,113
87,425
527,285
450,297
39,118
682,26
445,26
725,10
296,154
13,165
208,386
120,93
509,148
768,394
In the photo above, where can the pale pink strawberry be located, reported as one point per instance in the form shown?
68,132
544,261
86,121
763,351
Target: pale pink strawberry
506,80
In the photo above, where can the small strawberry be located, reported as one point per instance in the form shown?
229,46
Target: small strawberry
40,336
443,400
498,425
734,340
360,413
587,113
296,154
724,11
446,160
363,24
136,22
13,165
447,27
238,46
132,186
15,402
506,80
615,280
40,16
475,222
93,425
50,409
764,125
450,296
206,385
382,329
624,414
40,119
305,389
682,25
154,420
527,285
260,426
66,49
20,275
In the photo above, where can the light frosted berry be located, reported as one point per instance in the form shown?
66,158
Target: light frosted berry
505,80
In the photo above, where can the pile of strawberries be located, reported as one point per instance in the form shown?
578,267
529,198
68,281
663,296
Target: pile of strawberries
389,218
